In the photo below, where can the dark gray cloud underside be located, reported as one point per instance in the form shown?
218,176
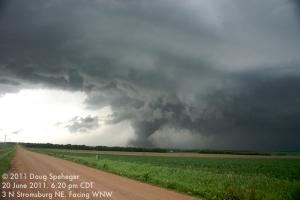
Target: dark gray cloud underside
229,71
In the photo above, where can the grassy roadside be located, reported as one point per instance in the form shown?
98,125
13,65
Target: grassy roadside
211,178
6,155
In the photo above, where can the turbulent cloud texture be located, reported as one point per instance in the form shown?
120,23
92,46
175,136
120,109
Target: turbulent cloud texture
223,72
82,125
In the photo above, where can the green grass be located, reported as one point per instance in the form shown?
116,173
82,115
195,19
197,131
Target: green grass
209,178
7,153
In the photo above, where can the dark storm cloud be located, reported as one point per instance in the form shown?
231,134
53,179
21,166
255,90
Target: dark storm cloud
263,111
297,7
228,70
83,124
8,82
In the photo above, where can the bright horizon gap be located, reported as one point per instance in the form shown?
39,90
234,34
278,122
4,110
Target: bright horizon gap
42,116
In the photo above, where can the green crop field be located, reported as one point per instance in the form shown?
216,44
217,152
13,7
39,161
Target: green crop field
6,155
208,178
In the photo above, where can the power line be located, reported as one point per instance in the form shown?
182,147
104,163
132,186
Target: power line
5,138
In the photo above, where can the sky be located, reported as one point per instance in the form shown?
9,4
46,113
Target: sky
193,74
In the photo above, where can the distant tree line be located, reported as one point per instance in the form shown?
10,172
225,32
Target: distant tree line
95,148
142,149
6,145
232,152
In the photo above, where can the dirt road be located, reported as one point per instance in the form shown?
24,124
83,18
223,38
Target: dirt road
36,172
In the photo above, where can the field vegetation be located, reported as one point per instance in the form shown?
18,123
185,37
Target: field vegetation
7,152
208,178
